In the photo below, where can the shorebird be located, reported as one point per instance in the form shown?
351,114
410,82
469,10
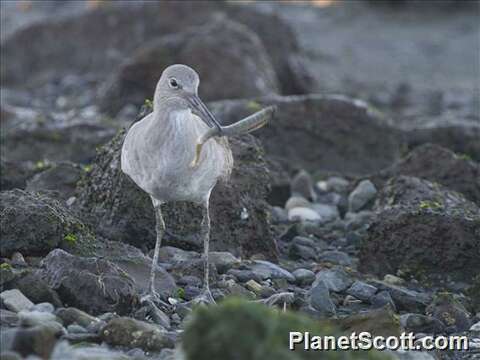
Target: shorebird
169,156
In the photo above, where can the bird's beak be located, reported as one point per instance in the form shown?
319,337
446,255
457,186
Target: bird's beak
201,110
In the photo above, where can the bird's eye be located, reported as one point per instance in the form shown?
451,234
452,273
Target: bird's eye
173,83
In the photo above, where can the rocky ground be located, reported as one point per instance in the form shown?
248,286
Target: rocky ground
356,212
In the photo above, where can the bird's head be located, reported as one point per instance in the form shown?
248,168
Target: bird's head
180,84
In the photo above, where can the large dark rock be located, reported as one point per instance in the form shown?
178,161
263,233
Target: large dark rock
121,211
437,164
94,41
320,133
207,49
56,142
88,283
34,224
463,139
425,230
61,178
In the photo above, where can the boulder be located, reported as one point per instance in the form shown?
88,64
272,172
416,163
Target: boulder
61,177
121,211
34,224
91,284
437,164
423,229
199,47
74,52
316,132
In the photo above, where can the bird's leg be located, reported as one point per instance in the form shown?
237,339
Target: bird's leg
206,295
160,229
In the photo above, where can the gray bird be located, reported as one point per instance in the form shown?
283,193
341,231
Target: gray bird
168,154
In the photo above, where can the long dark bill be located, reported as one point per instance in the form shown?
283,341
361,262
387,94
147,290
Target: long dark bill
201,110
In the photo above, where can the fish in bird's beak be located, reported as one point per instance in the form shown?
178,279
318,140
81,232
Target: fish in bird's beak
201,110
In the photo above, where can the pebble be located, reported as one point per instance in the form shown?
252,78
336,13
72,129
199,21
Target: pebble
362,290
303,214
361,196
475,327
18,259
336,279
302,248
43,307
303,277
254,286
267,270
336,257
296,201
337,184
320,299
223,260
15,301
326,212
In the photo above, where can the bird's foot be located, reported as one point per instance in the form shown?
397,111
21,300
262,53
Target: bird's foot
154,299
205,298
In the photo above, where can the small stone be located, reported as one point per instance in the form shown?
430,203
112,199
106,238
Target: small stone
33,318
336,257
382,299
296,201
326,212
304,276
223,260
302,185
254,286
320,299
302,248
336,279
364,193
76,329
43,307
393,280
18,259
362,291
75,316
267,270
14,300
303,214
475,327
337,184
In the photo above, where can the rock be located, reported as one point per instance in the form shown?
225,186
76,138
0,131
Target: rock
302,185
475,327
419,323
296,201
378,322
393,280
63,351
303,276
320,299
363,194
33,318
91,284
459,138
75,316
35,223
132,261
8,318
223,260
382,299
15,301
424,229
267,270
405,299
199,47
120,210
319,127
140,23
337,184
303,214
326,212
450,312
36,289
336,257
38,340
336,279
124,331
44,307
10,355
61,177
438,165
56,142
254,286
362,291
302,248
14,174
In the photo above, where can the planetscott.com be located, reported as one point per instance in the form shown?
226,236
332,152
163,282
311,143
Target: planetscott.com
366,341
